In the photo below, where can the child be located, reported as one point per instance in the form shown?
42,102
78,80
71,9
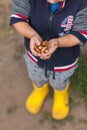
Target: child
63,24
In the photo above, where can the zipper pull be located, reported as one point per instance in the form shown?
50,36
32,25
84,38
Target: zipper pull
51,17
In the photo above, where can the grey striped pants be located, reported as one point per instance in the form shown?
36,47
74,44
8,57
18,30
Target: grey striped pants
37,75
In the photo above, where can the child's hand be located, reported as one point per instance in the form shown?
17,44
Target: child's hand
35,41
52,46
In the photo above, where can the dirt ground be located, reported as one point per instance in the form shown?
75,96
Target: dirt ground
15,86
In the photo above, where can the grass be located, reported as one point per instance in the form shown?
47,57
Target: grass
11,109
83,121
79,79
55,124
46,116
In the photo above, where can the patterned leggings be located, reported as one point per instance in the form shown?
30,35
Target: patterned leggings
37,75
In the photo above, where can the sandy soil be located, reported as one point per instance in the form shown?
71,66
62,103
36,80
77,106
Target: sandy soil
15,86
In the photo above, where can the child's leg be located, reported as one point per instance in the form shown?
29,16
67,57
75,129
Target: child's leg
60,84
36,74
61,78
36,99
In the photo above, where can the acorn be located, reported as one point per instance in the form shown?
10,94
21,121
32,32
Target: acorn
43,48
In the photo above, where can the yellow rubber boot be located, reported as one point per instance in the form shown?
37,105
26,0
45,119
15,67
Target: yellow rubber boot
60,108
36,99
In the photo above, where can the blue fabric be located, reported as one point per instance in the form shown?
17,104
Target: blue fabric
54,7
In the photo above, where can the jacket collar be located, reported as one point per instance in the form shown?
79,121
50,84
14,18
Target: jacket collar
62,4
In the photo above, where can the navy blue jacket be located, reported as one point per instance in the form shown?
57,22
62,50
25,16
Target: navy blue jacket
70,18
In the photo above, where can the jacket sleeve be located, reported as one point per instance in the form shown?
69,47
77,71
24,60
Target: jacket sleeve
20,11
79,28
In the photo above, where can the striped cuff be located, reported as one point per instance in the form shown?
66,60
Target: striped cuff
18,18
80,35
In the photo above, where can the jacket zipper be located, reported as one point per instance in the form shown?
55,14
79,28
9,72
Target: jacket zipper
52,15
49,26
49,31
